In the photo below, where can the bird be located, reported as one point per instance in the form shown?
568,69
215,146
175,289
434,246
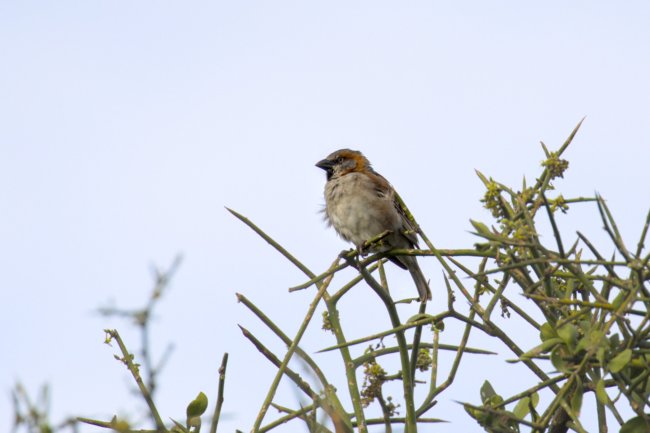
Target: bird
361,204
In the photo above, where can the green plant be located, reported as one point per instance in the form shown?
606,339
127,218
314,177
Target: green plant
591,315
594,333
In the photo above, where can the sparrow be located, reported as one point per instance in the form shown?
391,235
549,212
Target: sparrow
360,204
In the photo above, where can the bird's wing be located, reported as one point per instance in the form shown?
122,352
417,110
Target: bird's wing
409,228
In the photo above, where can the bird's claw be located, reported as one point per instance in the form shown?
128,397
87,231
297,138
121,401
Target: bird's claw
351,259
345,254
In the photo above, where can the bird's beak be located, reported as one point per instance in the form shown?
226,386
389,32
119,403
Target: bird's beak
325,164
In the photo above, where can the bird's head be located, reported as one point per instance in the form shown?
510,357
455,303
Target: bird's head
342,162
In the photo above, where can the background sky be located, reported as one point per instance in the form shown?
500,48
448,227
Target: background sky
126,127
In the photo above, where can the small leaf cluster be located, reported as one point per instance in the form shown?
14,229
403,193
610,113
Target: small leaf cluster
374,377
596,311
423,361
195,409
492,419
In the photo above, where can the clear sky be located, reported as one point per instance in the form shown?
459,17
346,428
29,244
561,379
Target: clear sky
126,127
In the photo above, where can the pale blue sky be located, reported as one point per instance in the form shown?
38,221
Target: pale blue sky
126,127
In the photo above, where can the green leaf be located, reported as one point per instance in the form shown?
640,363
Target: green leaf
546,332
482,177
557,359
583,343
477,414
635,425
620,361
597,337
481,229
197,406
495,400
584,326
600,355
522,408
569,334
419,317
542,348
487,391
576,399
601,394
592,340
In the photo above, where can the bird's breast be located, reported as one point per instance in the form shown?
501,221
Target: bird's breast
357,210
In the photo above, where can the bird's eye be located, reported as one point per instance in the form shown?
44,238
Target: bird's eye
339,160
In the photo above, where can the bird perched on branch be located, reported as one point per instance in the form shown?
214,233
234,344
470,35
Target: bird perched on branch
361,205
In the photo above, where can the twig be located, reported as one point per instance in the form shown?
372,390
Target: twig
292,348
222,380
285,339
556,232
127,359
644,232
400,328
407,384
295,377
282,420
415,350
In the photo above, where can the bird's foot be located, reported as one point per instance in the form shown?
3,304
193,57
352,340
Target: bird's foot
351,258
363,249
374,244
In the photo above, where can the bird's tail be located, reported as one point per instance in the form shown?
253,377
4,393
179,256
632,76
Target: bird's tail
418,277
